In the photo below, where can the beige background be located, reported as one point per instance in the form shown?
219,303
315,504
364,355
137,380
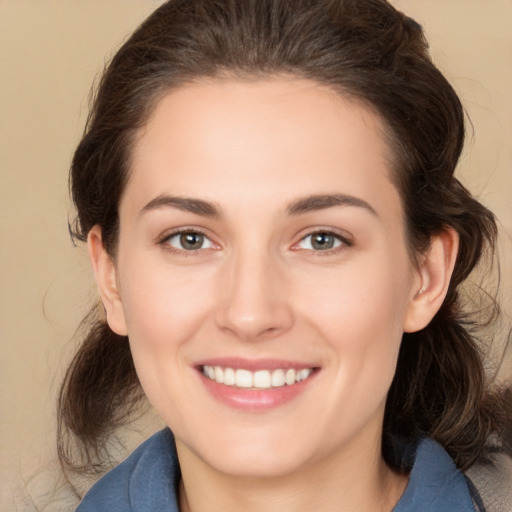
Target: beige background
50,52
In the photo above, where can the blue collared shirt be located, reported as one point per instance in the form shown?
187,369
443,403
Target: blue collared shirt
148,480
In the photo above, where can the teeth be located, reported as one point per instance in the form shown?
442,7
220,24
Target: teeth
302,374
229,376
261,379
290,377
243,378
219,375
278,378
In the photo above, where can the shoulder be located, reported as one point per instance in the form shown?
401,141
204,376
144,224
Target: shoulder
145,481
435,483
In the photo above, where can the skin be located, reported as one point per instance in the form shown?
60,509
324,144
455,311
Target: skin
257,288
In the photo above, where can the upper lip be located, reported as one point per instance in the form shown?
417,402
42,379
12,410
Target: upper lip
255,364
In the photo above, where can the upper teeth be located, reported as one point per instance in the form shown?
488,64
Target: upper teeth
261,379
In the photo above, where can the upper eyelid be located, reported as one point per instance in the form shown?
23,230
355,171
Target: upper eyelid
344,236
346,243
166,235
164,241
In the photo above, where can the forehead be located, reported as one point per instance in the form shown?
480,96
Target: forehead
282,135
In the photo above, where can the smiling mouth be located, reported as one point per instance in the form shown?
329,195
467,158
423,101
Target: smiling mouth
260,379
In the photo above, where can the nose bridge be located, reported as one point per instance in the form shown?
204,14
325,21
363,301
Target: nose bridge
255,301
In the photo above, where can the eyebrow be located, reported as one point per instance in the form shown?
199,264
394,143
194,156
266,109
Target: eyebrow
323,201
187,204
303,205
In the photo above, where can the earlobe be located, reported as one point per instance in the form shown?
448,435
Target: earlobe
434,274
106,280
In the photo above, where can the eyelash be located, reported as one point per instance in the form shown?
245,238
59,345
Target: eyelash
165,241
342,242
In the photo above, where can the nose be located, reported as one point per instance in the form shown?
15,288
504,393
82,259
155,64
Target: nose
255,301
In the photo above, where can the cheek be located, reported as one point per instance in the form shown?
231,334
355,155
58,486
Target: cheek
364,331
162,305
360,311
163,311
369,296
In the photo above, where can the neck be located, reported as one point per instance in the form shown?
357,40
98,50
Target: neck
358,481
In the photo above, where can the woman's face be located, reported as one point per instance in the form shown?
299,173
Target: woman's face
262,243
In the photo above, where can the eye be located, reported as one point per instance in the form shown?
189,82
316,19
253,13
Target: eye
189,241
321,241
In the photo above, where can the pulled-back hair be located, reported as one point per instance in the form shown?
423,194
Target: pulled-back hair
365,50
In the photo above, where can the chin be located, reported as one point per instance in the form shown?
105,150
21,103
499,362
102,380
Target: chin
250,454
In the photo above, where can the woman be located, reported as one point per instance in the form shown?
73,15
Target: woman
267,193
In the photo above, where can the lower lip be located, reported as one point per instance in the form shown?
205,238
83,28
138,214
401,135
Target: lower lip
255,399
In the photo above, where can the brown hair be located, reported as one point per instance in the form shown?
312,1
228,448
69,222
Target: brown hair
364,49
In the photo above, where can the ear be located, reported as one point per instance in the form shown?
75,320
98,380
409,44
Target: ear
106,279
433,279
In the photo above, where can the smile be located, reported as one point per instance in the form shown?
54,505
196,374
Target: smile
260,379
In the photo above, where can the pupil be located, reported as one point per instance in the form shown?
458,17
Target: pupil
323,241
191,240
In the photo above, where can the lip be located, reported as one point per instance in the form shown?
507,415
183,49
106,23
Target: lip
255,400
